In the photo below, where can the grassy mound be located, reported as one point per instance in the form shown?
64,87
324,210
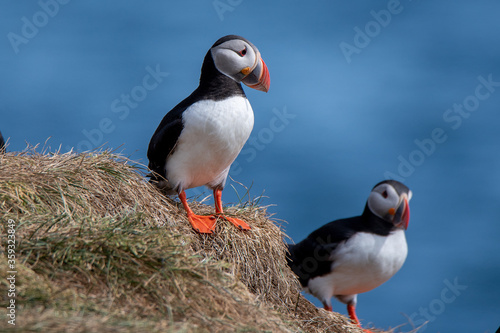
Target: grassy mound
101,250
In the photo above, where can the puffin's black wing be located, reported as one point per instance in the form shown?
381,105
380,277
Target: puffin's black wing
165,138
313,256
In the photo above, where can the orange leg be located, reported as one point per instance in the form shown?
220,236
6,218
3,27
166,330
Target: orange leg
351,309
202,224
218,211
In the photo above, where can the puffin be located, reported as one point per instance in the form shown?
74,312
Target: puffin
354,255
197,141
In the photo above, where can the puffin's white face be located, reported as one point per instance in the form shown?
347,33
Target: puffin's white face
241,61
385,202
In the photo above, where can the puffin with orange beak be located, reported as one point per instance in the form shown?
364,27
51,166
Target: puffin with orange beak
198,140
351,256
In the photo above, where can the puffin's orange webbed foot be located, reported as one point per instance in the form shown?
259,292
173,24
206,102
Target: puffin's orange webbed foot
237,222
219,212
202,224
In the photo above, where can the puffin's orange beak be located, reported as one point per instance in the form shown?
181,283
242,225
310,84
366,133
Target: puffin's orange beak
402,214
258,78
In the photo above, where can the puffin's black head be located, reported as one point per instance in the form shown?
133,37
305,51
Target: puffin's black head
389,201
237,58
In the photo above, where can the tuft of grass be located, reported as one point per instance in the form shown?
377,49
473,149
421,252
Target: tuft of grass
101,250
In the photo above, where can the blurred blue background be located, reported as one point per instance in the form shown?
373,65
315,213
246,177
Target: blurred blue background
359,92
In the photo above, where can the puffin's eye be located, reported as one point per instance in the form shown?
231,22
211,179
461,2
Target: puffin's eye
385,195
243,52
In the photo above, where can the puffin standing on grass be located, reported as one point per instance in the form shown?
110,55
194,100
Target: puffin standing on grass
198,140
354,255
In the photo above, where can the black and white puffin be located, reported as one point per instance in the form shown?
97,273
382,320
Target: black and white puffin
198,140
354,255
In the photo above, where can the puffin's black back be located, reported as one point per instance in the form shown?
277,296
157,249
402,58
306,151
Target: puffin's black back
312,256
213,86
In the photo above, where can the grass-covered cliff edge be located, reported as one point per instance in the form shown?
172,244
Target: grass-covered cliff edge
98,249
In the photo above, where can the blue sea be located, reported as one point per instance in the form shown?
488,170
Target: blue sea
360,91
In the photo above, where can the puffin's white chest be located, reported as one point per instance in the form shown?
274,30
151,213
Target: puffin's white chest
214,133
361,264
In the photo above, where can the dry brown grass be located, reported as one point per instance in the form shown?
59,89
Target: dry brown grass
101,250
